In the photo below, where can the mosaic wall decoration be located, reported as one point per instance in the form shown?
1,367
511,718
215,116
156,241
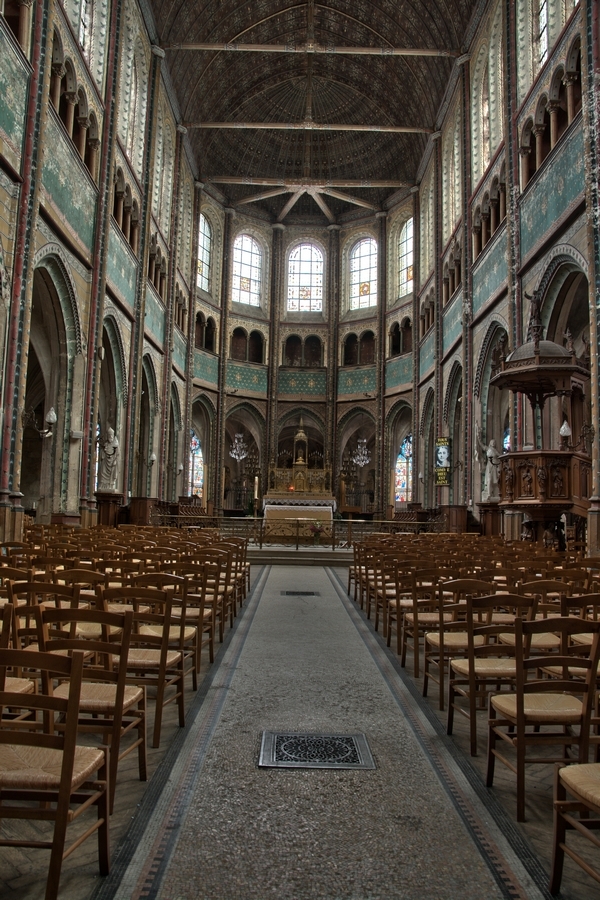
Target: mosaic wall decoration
13,99
554,190
426,355
206,367
121,269
357,381
490,272
155,316
246,377
398,371
452,321
73,196
302,382
180,350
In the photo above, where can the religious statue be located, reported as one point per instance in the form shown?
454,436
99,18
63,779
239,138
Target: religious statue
109,462
489,457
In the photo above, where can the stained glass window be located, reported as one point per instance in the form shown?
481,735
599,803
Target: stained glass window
247,266
363,274
405,259
404,471
196,466
204,253
305,279
543,32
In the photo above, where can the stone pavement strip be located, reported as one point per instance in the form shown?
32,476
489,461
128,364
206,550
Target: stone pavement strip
220,828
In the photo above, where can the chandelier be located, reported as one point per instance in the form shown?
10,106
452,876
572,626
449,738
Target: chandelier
239,448
361,456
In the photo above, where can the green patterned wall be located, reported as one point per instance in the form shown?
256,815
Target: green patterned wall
247,377
398,371
490,271
206,367
155,316
548,198
71,193
13,97
121,270
306,383
357,381
426,355
452,321
179,352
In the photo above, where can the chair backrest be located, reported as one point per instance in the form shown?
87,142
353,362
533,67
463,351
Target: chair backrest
35,592
38,730
565,627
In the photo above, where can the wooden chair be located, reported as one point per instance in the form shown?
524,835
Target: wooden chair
44,775
107,705
448,637
582,783
488,664
562,703
153,661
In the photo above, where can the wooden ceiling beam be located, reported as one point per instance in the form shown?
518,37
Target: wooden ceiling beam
313,48
291,202
318,198
295,184
263,196
309,125
340,196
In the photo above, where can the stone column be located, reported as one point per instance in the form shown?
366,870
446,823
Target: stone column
381,492
84,124
24,24
538,131
222,387
333,317
569,83
71,104
269,460
524,156
58,73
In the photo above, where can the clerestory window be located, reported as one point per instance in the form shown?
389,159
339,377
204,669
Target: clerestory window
247,271
363,274
405,259
204,253
305,279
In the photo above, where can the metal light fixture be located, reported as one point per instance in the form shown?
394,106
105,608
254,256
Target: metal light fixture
239,448
152,460
361,456
29,418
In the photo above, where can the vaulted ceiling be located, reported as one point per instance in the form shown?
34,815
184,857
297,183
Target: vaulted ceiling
335,101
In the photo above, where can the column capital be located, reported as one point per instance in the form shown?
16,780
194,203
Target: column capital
334,227
229,211
157,51
199,185
381,214
278,226
181,129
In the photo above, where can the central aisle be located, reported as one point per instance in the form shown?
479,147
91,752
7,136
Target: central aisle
223,829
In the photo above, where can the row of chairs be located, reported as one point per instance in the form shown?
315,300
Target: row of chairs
509,633
80,649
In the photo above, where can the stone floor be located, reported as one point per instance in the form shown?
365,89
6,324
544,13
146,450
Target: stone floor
210,824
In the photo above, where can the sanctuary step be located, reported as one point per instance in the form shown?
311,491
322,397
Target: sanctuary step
304,556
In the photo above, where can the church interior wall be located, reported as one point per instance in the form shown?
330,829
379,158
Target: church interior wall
463,283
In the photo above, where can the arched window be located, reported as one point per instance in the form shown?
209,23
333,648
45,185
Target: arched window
485,119
86,21
363,274
247,271
305,279
204,253
132,123
542,36
405,259
196,466
403,479
255,347
239,344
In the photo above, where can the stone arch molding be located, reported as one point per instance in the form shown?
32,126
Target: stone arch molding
496,323
450,385
53,258
558,256
116,340
427,404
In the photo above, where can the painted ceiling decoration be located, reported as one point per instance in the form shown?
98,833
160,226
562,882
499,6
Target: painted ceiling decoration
308,110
